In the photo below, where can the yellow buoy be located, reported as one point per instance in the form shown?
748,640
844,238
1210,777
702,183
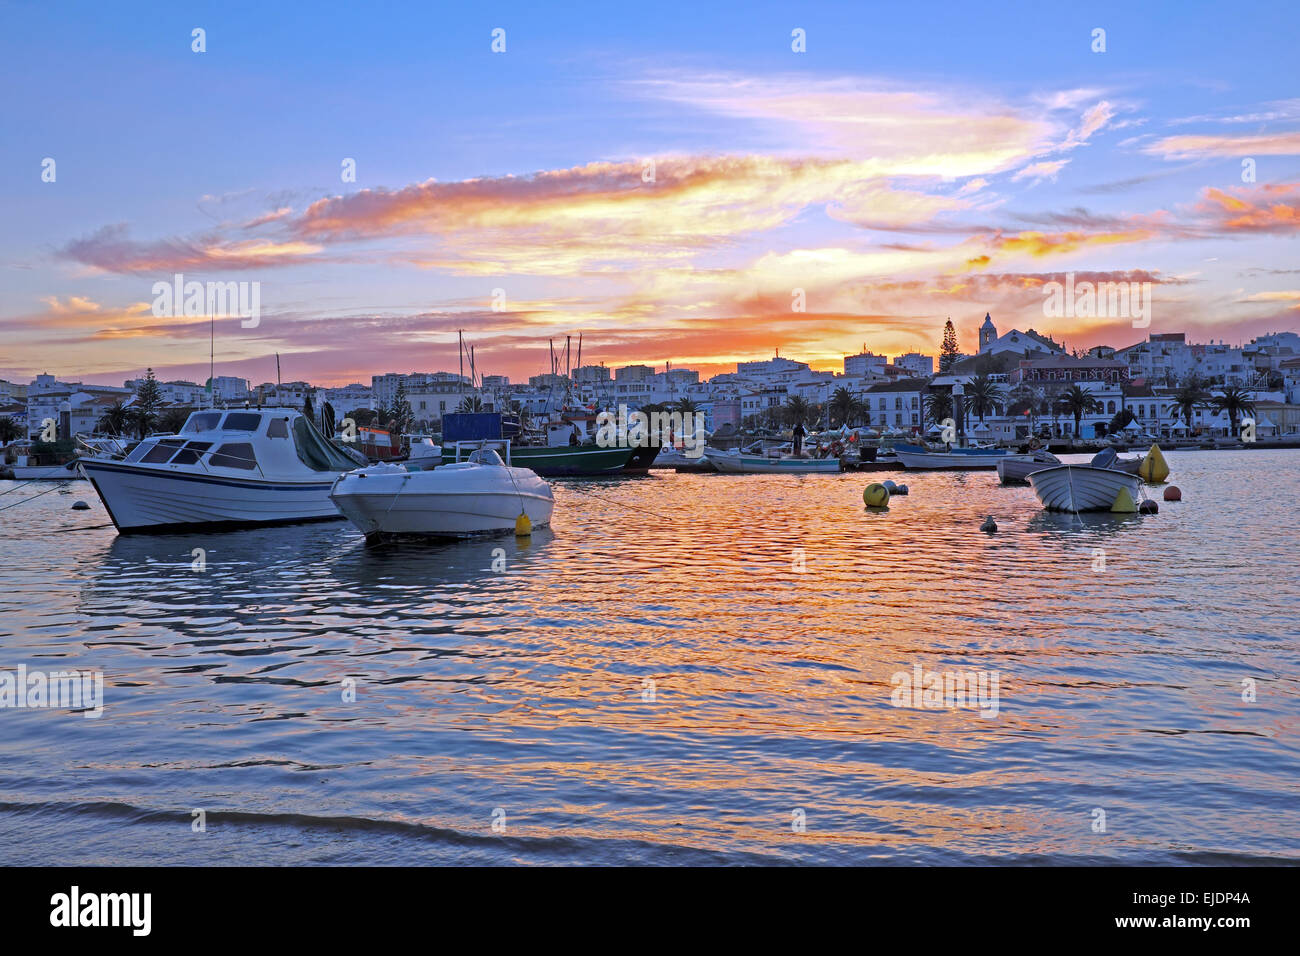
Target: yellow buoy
875,495
1124,503
1154,469
523,526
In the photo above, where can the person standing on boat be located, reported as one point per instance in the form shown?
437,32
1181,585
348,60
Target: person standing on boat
798,438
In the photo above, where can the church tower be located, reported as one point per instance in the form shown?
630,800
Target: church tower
988,332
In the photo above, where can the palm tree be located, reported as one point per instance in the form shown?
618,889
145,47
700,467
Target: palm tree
938,407
984,395
844,406
9,430
1190,396
173,420
796,409
686,406
115,419
1078,401
470,404
141,420
1234,400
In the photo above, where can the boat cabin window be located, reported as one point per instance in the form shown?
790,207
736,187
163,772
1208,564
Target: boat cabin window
242,422
162,451
138,451
235,455
485,456
202,422
189,455
277,428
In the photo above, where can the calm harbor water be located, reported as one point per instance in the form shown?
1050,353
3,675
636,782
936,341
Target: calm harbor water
653,681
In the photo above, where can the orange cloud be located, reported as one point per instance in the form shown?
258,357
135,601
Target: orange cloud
1262,209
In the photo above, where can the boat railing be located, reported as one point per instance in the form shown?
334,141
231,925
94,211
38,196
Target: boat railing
473,446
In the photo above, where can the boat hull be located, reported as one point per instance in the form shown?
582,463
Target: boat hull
143,499
454,501
1080,487
563,460
918,461
641,459
759,465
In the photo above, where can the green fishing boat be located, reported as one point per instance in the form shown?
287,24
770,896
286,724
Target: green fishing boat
559,460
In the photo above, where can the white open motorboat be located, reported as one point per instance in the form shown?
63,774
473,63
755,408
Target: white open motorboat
1017,468
483,495
223,469
1081,487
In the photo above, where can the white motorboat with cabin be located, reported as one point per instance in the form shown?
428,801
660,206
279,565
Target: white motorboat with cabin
483,495
224,468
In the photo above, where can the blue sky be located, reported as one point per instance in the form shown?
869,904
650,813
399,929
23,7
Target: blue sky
918,161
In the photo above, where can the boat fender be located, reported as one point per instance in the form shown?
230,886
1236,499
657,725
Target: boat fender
1149,507
1123,503
523,525
1171,494
989,526
875,495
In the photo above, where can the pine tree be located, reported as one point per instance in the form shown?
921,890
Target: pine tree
948,352
403,416
148,399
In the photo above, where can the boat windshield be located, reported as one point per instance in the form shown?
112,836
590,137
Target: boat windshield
242,422
485,456
202,422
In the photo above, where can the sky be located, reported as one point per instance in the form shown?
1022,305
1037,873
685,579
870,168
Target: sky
677,184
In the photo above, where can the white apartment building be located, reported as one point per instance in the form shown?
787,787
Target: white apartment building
915,364
347,399
855,366
384,387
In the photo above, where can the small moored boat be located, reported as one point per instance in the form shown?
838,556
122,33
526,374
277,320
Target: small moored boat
1017,468
1081,487
483,495
965,459
768,465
